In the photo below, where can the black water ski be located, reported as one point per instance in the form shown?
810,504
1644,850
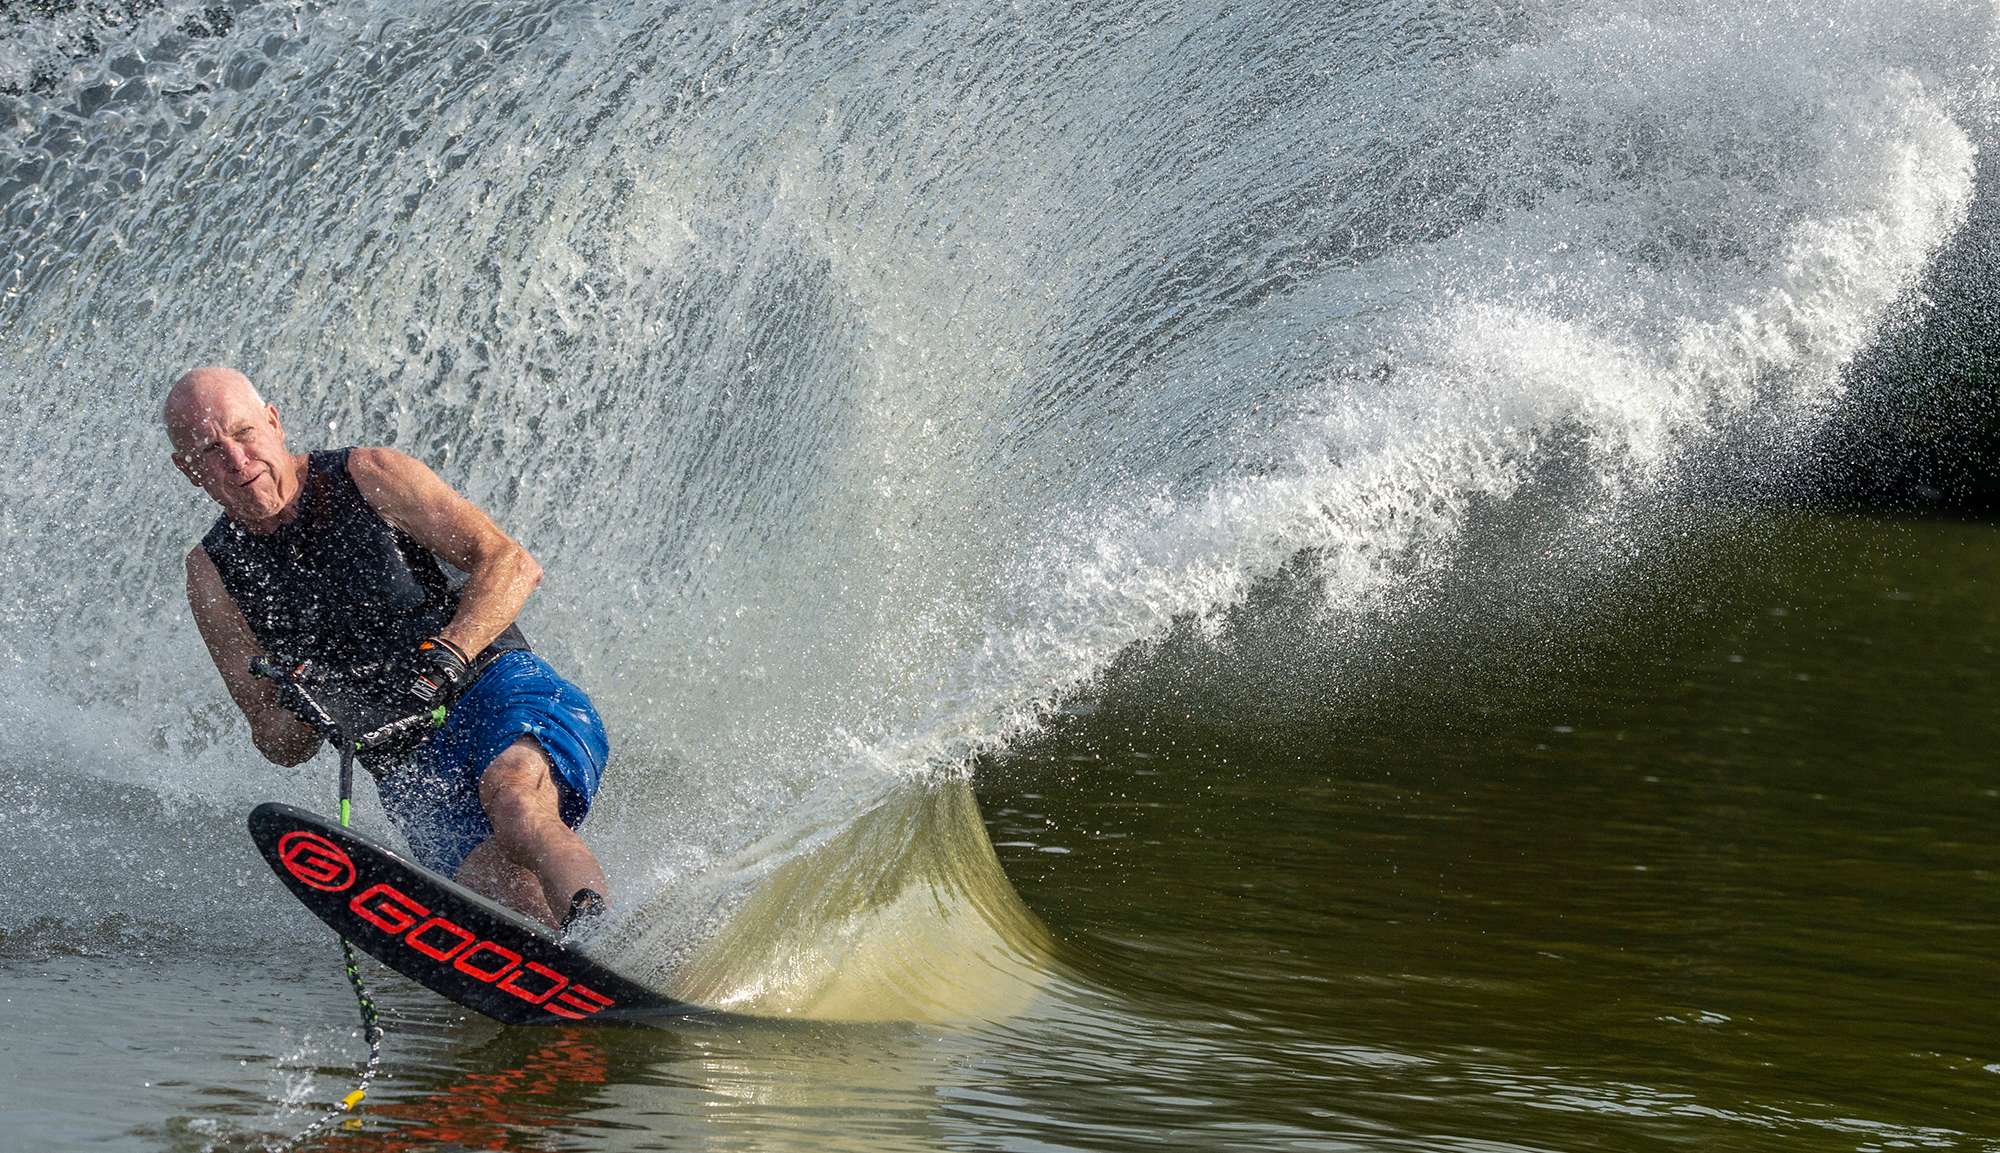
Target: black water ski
446,937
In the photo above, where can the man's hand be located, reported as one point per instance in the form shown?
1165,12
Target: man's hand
437,673
283,732
287,676
421,684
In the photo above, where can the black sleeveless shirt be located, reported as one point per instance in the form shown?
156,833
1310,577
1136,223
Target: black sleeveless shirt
337,585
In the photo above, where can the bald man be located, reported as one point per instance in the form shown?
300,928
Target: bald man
334,557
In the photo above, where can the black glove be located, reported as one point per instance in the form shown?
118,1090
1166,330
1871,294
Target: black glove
437,672
409,705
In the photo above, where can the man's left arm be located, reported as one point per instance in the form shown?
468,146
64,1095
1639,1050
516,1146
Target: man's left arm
501,574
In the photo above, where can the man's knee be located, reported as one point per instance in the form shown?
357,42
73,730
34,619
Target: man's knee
517,790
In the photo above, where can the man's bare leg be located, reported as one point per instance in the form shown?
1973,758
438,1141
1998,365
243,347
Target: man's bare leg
519,794
487,871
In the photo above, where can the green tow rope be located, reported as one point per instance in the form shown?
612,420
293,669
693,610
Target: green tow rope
371,1021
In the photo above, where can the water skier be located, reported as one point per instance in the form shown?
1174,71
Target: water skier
333,558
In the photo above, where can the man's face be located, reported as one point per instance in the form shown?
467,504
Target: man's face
234,449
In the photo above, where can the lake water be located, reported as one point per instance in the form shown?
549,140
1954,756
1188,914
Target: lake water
1720,871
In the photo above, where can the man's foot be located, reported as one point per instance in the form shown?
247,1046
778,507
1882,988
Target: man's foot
586,905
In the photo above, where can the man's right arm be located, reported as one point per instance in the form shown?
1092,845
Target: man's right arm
280,736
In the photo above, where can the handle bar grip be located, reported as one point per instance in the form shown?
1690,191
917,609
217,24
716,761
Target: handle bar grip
282,668
398,730
295,676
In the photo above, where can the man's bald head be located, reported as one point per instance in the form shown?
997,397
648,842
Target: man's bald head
203,392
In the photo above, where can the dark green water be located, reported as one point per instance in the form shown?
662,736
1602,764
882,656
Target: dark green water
1717,868
1725,875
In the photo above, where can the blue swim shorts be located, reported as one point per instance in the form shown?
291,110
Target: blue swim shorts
433,794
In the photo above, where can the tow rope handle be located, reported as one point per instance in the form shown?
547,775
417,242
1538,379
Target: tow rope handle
297,679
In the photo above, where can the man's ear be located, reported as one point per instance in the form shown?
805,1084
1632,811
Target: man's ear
186,470
271,410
